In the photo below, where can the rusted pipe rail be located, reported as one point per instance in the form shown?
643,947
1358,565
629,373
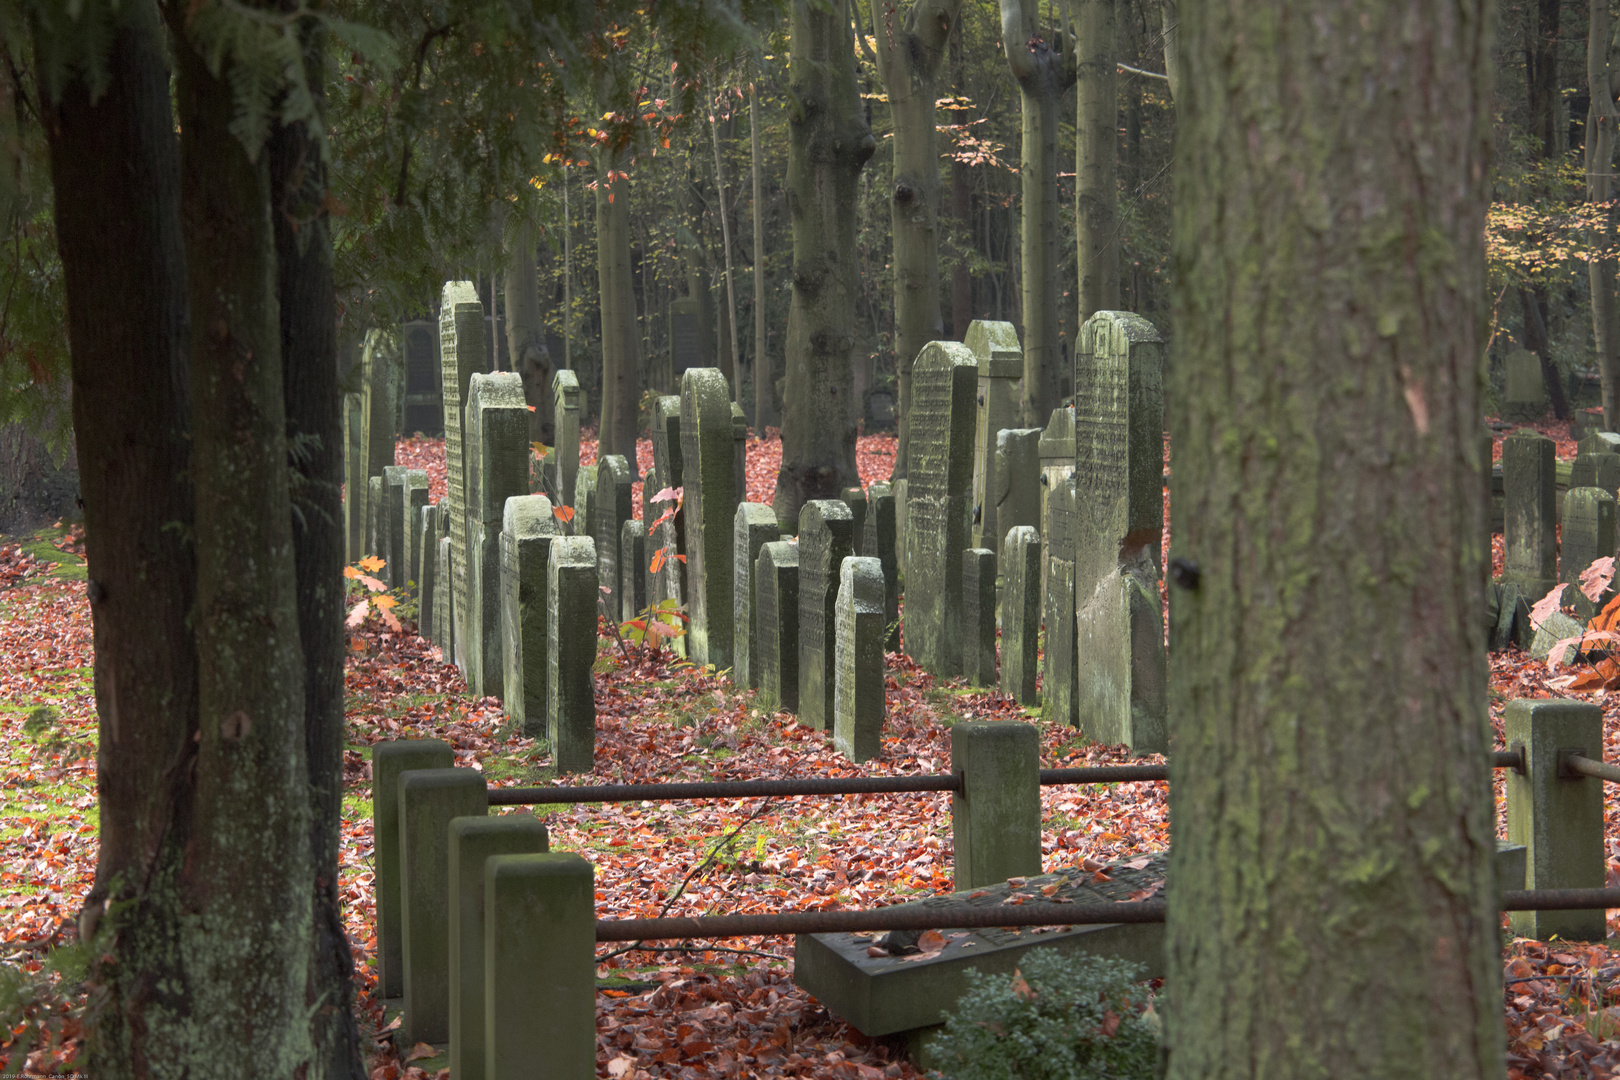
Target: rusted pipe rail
1586,766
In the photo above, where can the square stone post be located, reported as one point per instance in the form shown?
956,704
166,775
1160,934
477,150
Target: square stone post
858,709
776,618
996,817
710,498
527,533
613,505
1020,612
388,761
497,436
879,544
632,569
570,684
979,616
755,526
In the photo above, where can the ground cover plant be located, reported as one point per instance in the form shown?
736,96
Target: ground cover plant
689,1009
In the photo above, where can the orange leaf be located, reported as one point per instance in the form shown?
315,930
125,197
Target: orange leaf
372,583
681,557
357,614
563,513
1546,606
350,572
372,563
667,494
1020,987
658,560
660,629
930,942
421,1050
384,602
1596,578
390,620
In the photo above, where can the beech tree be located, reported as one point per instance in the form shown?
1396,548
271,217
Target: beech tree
1332,899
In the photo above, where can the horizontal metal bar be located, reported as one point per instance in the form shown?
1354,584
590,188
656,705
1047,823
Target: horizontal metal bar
906,917
1560,899
1586,766
1104,774
726,789
1508,759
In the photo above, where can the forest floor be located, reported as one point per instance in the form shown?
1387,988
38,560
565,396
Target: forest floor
731,1011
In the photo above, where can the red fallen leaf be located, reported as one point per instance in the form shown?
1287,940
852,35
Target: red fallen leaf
1547,605
1100,876
666,495
563,513
1048,890
1020,988
1596,577
930,942
357,614
876,950
696,1047
1110,1024
421,1050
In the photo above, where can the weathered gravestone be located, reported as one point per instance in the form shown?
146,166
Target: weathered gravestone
825,540
461,355
855,499
1056,450
1598,442
1119,485
1587,535
858,629
878,543
528,529
376,514
754,526
776,646
710,498
584,502
379,403
1000,363
1601,470
443,605
1530,552
1524,394
354,479
390,522
570,685
937,503
611,505
424,382
413,500
562,464
739,450
670,467
632,569
1060,703
496,431
1020,612
1017,487
979,616
685,336
427,544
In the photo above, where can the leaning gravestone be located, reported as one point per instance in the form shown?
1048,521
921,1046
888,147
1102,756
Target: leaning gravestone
776,648
613,506
1524,394
632,569
570,685
710,498
878,543
461,355
979,616
754,526
826,539
1000,363
1020,612
1530,552
563,462
1059,700
937,509
1119,485
858,631
528,529
496,430
390,533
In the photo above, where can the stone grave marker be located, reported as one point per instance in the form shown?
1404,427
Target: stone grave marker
374,514
825,541
380,387
570,685
354,479
1056,451
1599,442
1017,486
424,382
855,499
584,503
632,569
1601,470
461,355
858,708
685,336
979,616
390,521
1119,486
937,507
901,488
528,529
613,506
1020,612
1587,534
1524,394
670,467
710,498
427,544
754,526
776,648
1530,552
1000,362
563,461
739,450
496,431
415,500
1060,704
878,543
443,603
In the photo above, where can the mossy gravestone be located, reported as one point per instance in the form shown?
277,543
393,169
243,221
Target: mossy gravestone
776,600
563,462
612,506
979,616
1000,363
937,503
390,522
1530,551
528,529
1020,612
710,498
826,539
1119,486
878,543
462,355
632,593
570,684
354,479
496,429
754,526
858,628
1524,394
379,401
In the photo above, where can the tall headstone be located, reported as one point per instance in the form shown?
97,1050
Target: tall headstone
528,529
612,506
685,336
443,604
354,478
414,499
427,543
563,464
1588,530
380,372
776,602
978,631
584,502
1601,470
1057,468
1060,703
1524,394
390,522
570,684
1530,551
858,707
461,356
670,466
826,539
1020,612
710,498
632,569
739,450
855,499
424,382
878,543
754,526
496,430
938,503
1000,363
375,534
1017,485
1119,487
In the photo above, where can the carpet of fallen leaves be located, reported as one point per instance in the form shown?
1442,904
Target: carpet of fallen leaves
686,1011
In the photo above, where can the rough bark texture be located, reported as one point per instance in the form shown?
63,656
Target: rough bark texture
1332,899
1601,120
1043,74
1095,150
621,341
1170,19
313,403
764,368
829,143
246,885
525,332
115,167
911,50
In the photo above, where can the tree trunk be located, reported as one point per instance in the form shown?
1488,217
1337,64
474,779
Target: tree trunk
525,332
828,145
313,401
115,168
1043,75
1541,74
728,315
1095,149
764,369
1533,302
909,57
1601,120
246,884
1331,186
1171,20
621,341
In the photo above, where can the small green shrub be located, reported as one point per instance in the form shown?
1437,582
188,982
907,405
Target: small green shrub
1059,1017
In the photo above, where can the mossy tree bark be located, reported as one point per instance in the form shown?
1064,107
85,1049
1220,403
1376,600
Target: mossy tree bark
1043,73
1601,121
124,274
1096,150
246,884
1332,898
911,50
621,341
829,143
525,331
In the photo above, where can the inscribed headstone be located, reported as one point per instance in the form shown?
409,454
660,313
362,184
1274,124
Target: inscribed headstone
563,462
754,526
685,336
858,707
1020,612
1530,553
1000,363
528,529
496,431
878,543
424,382
826,539
570,685
1524,394
632,569
776,651
461,355
710,498
979,616
611,507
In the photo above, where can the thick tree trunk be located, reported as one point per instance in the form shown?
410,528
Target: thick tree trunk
1533,304
621,340
829,143
1171,21
909,58
1601,120
1043,75
307,304
246,884
115,166
765,413
1331,185
525,332
1095,150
